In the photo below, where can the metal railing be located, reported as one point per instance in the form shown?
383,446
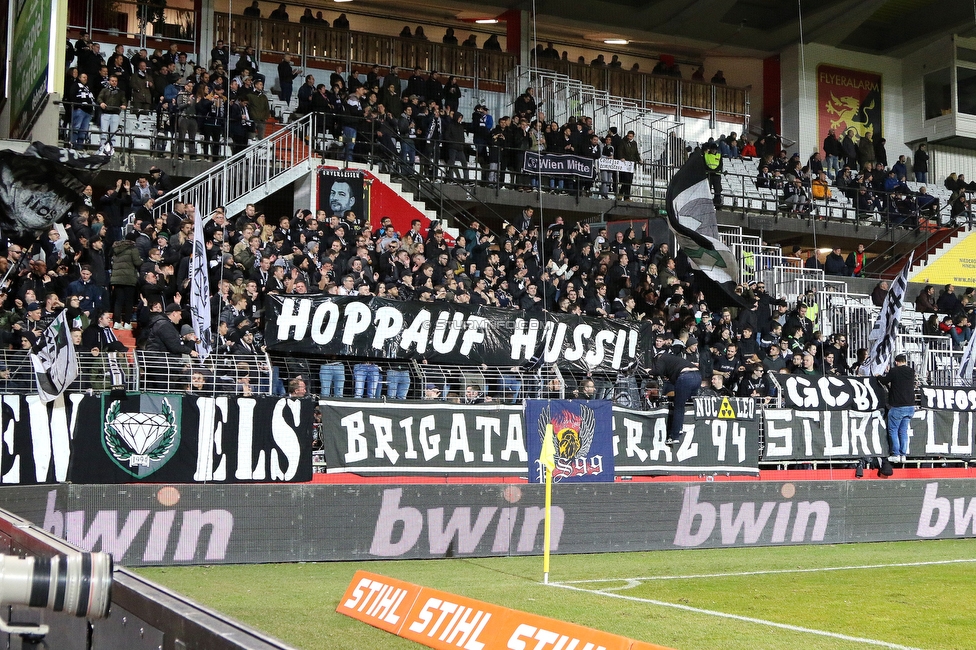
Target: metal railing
662,94
257,166
315,46
218,374
412,380
138,370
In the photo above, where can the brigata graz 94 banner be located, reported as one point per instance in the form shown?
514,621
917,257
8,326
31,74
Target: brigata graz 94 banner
450,334
438,439
812,435
155,437
729,445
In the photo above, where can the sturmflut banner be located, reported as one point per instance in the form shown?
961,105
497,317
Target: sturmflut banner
824,435
438,439
450,334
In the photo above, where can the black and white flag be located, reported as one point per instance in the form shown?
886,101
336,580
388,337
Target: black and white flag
691,216
882,337
55,363
200,291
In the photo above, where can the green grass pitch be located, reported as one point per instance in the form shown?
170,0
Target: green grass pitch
891,595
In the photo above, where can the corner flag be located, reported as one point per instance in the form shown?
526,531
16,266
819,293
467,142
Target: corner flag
548,458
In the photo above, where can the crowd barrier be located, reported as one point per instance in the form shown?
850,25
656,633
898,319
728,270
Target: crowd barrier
138,370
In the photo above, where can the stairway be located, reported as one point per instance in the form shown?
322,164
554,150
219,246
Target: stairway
951,240
927,252
261,169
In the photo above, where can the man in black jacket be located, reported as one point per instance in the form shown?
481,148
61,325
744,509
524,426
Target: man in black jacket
685,377
900,382
99,339
163,343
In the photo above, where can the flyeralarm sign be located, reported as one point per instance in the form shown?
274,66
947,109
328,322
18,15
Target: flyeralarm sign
444,621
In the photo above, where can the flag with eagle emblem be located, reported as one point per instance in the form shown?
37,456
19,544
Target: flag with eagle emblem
573,440
691,216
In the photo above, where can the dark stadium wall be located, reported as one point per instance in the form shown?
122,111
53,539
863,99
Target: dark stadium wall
201,524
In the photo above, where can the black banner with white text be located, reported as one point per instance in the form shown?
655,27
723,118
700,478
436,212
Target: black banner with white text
450,334
833,393
170,438
709,444
824,435
558,164
435,439
176,438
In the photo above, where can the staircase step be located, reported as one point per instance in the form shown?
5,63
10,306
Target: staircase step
127,337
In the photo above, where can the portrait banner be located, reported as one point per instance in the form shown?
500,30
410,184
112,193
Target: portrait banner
340,191
848,99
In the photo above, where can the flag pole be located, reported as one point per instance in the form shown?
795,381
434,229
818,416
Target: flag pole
548,461
548,530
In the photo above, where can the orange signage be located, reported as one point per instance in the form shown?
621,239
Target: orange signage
444,621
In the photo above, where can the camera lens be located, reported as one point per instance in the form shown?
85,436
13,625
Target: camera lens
79,584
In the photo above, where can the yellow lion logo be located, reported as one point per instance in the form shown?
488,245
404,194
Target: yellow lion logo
847,110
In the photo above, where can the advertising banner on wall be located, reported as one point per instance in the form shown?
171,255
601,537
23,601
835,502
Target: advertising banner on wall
848,99
187,439
450,334
37,59
235,524
438,439
582,437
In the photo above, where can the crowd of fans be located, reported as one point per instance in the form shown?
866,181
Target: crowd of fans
110,278
142,277
858,169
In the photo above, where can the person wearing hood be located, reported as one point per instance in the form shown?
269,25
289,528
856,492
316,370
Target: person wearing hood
125,275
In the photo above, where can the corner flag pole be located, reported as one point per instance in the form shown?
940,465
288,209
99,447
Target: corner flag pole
548,458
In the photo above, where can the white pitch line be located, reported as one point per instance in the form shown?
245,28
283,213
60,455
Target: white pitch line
636,581
746,619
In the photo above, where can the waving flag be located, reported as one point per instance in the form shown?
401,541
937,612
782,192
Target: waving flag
882,337
200,291
691,216
55,363
40,186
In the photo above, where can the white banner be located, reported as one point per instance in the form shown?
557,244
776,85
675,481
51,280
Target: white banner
55,364
882,337
614,165
200,291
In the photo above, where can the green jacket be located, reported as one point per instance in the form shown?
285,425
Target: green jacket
125,263
258,107
628,150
